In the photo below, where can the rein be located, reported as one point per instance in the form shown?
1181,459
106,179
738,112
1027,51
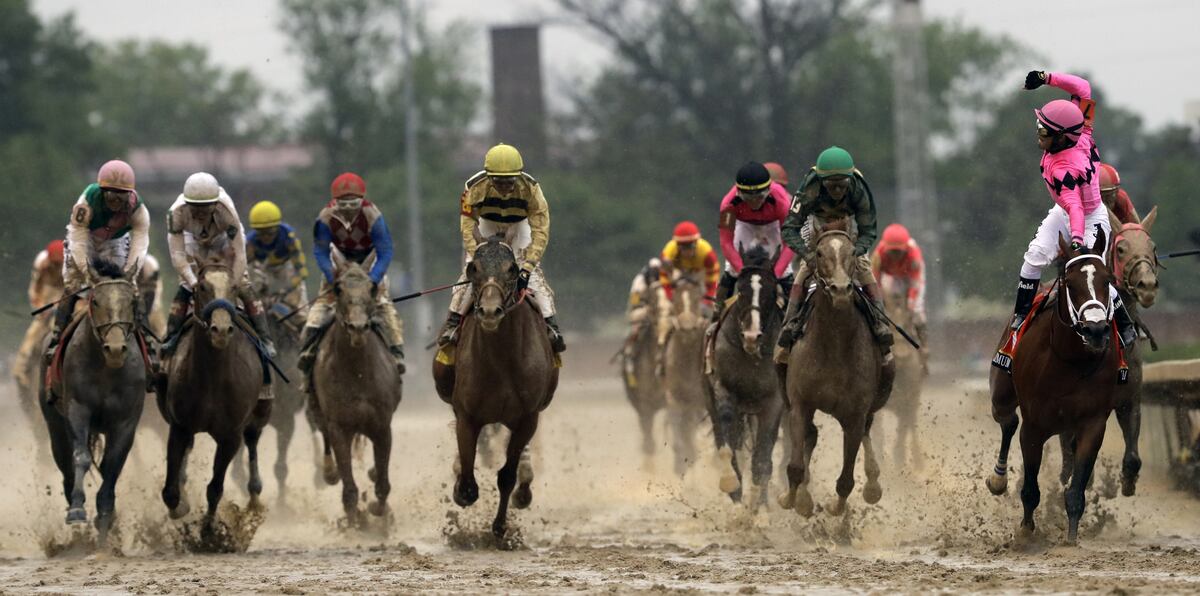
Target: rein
509,298
98,331
1075,312
816,274
1122,271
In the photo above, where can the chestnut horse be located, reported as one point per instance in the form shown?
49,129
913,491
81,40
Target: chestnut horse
504,371
1064,379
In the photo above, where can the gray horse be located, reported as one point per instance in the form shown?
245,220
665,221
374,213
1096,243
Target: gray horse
213,386
905,402
681,347
356,387
836,367
743,381
643,387
102,392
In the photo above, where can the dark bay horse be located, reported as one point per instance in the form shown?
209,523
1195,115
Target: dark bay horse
643,386
1064,379
356,387
504,372
905,402
681,325
214,382
743,381
102,393
835,367
1133,260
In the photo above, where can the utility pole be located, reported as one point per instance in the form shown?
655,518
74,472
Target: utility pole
916,191
412,120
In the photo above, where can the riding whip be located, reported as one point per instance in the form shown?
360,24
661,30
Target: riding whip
303,306
887,319
1182,253
429,291
48,306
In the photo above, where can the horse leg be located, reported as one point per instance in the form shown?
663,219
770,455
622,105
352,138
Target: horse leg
646,421
227,449
381,441
328,465
250,435
466,491
872,491
725,421
852,438
60,447
179,443
1129,416
679,438
285,429
1066,441
804,439
1031,495
1090,436
79,420
523,496
343,454
764,446
506,478
997,483
116,449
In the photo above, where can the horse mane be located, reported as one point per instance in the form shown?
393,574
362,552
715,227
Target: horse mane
841,224
756,258
493,247
352,271
107,269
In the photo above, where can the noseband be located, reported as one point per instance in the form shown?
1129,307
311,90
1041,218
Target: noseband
816,273
1121,271
99,331
1076,313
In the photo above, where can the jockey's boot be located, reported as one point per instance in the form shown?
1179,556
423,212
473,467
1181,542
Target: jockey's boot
263,329
724,291
556,337
879,327
449,333
175,321
62,316
1026,292
1126,328
791,322
308,348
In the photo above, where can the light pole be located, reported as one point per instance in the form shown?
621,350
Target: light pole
412,120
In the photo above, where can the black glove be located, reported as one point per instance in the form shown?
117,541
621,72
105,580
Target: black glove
1076,244
1035,79
523,280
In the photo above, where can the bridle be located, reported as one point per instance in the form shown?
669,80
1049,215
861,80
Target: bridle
508,295
126,327
1077,313
1122,271
816,273
205,314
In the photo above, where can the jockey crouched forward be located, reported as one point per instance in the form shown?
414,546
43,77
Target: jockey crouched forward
503,200
203,225
354,227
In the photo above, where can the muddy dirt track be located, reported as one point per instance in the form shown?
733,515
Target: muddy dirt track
604,520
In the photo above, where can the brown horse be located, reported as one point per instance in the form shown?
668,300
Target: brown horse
214,383
1064,379
643,386
905,402
504,372
356,387
835,367
1133,259
102,392
681,327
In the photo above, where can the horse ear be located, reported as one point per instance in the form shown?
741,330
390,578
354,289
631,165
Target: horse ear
470,268
741,250
1148,222
1063,247
778,252
1099,245
1113,222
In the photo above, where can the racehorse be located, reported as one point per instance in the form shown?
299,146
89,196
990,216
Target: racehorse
743,381
643,386
356,387
1133,260
905,401
681,362
102,392
503,371
835,367
213,385
1064,379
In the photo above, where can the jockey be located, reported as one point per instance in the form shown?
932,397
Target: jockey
778,174
354,227
692,256
641,300
898,260
1068,167
203,224
109,222
45,286
504,200
752,214
1114,197
150,289
274,244
832,190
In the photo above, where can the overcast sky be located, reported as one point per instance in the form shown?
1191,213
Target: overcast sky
1146,54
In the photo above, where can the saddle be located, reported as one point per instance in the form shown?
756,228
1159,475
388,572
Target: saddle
1007,353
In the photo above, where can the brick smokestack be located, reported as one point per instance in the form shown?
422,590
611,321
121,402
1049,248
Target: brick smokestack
518,108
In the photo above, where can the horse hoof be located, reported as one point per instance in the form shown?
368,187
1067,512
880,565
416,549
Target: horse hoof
729,479
836,507
371,474
254,487
378,508
499,529
786,500
997,484
330,475
804,504
523,497
180,510
76,515
465,496
872,492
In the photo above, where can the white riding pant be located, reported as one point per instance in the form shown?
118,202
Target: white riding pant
518,236
113,250
1044,249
